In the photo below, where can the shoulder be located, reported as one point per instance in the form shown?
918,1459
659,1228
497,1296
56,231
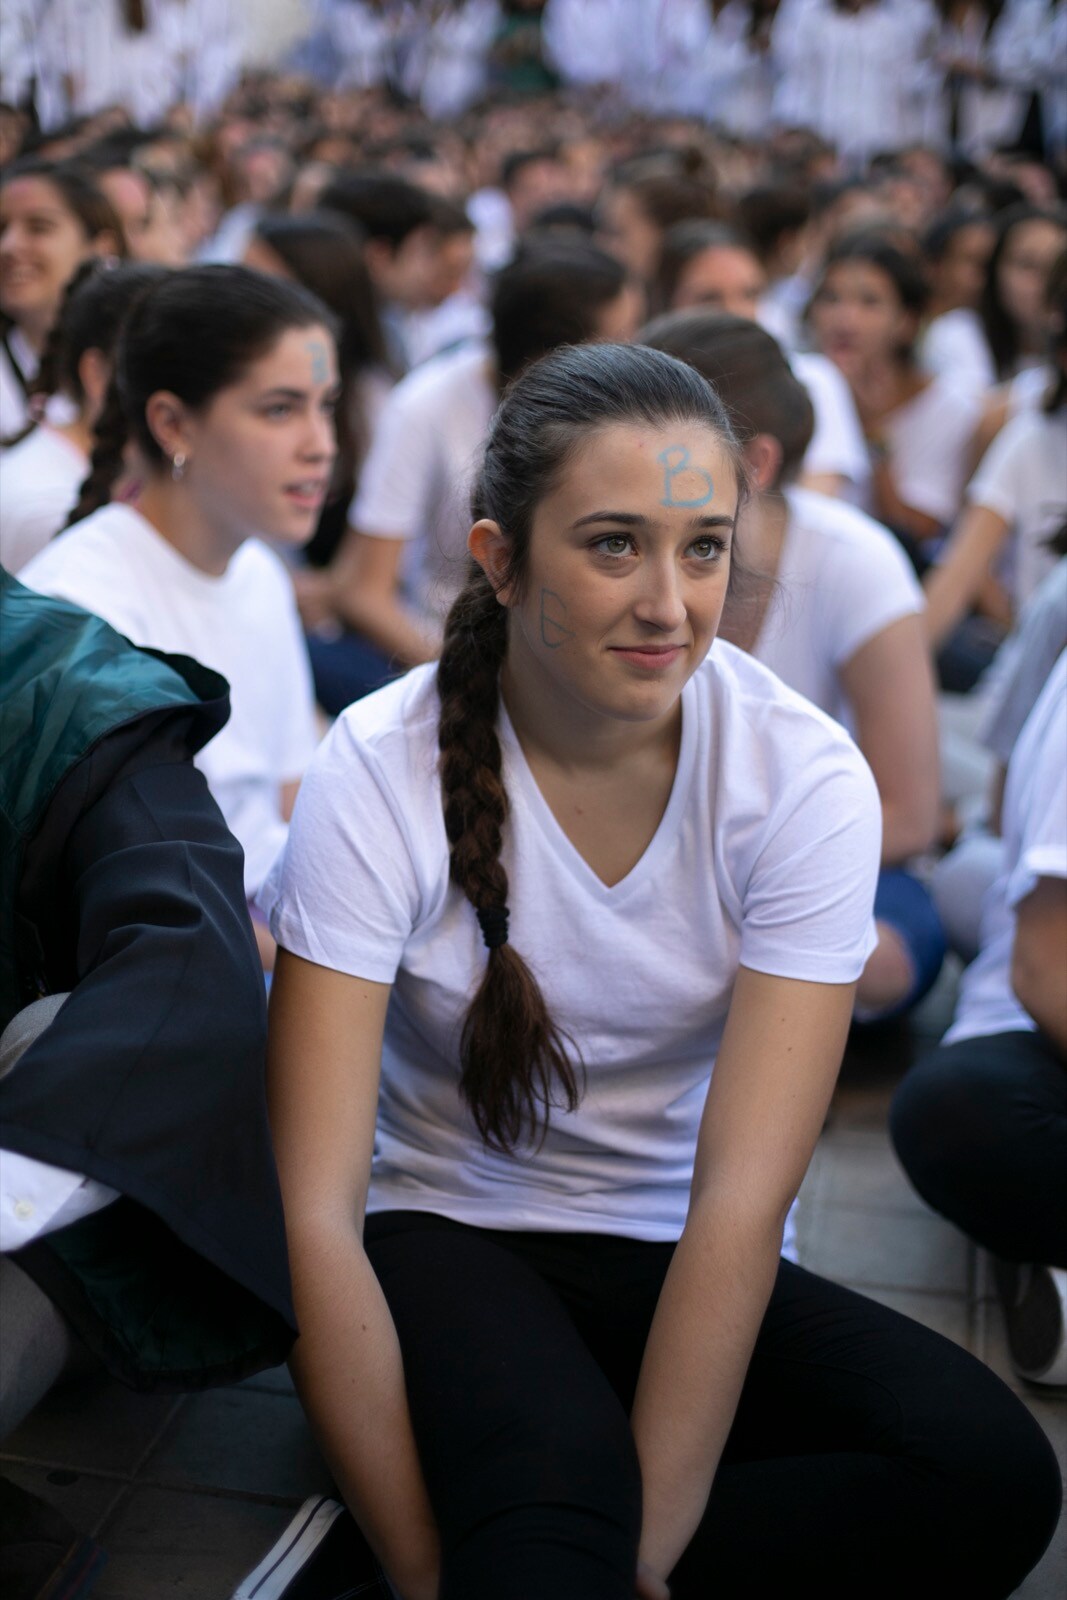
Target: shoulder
258,570
842,538
89,547
440,380
393,731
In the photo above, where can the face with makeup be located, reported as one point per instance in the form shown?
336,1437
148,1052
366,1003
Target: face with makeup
258,455
626,574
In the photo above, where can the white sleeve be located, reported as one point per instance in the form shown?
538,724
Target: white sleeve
837,444
396,486
998,483
807,907
1043,852
877,587
37,1198
343,894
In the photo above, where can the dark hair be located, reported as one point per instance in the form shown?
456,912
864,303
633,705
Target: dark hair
771,211
80,195
670,197
682,244
549,295
516,160
96,300
324,251
1055,301
385,206
746,368
941,232
515,1062
903,269
1001,332
193,333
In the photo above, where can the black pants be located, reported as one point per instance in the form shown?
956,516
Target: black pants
981,1130
869,1456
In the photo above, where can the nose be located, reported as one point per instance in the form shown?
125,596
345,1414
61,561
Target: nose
660,603
320,442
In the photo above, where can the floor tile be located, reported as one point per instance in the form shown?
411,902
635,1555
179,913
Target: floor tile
865,1175
240,1439
93,1424
162,1544
865,1248
82,1497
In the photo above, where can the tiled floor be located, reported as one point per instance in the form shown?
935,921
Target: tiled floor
188,1494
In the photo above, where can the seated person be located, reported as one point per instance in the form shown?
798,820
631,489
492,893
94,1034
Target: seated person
140,1221
980,1124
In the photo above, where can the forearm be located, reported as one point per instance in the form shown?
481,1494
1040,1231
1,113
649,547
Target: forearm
349,1373
890,508
387,623
908,828
698,1350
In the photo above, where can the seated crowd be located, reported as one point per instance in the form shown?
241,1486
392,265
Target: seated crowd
562,591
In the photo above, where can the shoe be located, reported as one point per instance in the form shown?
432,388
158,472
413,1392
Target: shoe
1035,1311
41,1556
321,1556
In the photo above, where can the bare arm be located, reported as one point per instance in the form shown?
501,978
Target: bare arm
765,1108
889,684
365,591
323,1068
956,582
1039,957
890,508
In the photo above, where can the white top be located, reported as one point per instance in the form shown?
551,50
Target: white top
415,482
1035,846
929,439
14,407
842,578
1023,478
39,482
837,443
954,345
1020,668
767,855
243,624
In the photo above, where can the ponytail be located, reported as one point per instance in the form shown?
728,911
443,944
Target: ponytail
106,457
512,1055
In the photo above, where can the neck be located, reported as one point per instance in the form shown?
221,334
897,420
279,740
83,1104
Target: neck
35,330
174,514
763,533
79,432
554,728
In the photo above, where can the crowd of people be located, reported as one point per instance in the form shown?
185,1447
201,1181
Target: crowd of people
537,536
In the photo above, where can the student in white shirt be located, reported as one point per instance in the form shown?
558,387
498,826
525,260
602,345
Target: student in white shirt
577,1152
225,381
708,264
836,612
980,1125
403,558
997,555
52,218
43,466
956,249
865,315
1012,306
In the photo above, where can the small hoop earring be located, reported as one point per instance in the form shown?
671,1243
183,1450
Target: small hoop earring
177,466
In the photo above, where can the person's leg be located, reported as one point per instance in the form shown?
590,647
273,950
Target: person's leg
870,1456
911,948
527,1452
36,1345
981,1130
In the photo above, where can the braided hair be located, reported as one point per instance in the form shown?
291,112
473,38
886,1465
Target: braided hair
515,1061
193,333
94,304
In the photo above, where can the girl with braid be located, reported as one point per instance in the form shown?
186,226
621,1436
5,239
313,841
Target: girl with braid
570,924
43,466
225,383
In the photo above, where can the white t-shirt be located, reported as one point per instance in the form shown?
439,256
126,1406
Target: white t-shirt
841,579
929,439
1035,846
243,624
766,855
39,482
14,407
415,482
837,443
955,346
1023,478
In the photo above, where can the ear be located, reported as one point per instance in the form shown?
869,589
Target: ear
168,422
489,546
763,458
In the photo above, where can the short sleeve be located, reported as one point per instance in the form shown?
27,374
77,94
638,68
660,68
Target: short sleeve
396,486
1044,844
807,908
343,893
877,587
998,483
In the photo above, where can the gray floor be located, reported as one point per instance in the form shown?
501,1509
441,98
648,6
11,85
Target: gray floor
187,1494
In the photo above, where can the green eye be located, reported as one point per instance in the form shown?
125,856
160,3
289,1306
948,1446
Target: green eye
613,544
707,548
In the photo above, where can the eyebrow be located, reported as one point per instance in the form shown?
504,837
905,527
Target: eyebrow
630,519
283,393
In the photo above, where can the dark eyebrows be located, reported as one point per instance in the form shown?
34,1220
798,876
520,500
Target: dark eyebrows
629,519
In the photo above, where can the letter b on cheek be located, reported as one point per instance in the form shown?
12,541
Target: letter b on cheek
683,485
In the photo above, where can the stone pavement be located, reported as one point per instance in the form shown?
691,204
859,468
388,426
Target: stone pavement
187,1494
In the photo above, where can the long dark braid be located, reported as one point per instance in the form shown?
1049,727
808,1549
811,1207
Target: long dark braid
508,1093
106,457
515,1063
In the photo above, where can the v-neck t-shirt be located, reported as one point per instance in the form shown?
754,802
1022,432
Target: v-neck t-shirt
767,855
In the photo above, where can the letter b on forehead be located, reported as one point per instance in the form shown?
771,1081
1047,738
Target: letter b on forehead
684,485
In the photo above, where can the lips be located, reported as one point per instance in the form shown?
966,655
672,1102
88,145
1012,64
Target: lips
652,657
308,492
